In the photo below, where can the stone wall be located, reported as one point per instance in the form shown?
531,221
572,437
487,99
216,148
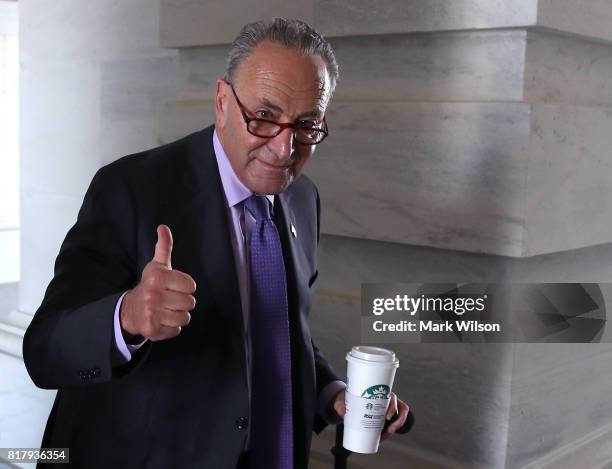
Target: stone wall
467,143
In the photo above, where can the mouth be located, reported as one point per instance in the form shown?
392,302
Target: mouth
272,167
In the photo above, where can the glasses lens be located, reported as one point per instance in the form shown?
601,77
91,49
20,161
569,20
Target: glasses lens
263,128
309,135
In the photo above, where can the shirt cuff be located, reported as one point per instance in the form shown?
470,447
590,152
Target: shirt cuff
325,402
125,349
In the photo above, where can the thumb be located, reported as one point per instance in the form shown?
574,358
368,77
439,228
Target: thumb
163,248
339,405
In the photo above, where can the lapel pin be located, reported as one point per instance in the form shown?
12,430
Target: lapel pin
293,231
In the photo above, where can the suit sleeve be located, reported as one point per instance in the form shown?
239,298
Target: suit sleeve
324,376
70,340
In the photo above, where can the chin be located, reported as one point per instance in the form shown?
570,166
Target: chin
270,187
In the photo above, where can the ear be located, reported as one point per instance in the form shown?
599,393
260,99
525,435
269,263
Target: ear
221,104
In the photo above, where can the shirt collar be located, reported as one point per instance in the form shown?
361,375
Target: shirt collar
235,190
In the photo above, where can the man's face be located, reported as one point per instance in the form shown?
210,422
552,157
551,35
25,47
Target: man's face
278,84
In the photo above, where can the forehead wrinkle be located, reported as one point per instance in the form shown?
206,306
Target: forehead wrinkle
268,94
285,87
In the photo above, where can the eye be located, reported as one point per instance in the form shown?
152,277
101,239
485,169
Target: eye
308,123
263,114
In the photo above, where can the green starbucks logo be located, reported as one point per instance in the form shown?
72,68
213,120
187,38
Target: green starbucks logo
380,391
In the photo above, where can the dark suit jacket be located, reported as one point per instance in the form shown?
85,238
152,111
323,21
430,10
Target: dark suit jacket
179,402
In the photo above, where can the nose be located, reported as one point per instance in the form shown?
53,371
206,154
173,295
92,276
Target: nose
282,144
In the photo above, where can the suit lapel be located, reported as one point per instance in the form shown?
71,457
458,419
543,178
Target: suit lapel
303,357
203,242
293,243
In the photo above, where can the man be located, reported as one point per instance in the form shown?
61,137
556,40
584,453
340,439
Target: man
175,327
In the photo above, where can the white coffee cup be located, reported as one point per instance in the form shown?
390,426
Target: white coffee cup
370,374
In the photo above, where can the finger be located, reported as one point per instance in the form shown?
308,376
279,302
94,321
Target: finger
180,282
339,404
163,248
165,332
172,319
392,409
401,420
177,301
340,407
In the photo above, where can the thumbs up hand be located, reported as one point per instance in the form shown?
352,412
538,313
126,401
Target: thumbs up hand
159,305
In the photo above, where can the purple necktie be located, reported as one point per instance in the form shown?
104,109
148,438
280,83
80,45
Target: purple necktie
271,398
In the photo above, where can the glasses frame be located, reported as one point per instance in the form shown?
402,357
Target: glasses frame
281,125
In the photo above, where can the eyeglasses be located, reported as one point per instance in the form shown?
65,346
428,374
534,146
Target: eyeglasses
306,134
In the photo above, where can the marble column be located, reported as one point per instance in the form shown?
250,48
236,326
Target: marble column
93,77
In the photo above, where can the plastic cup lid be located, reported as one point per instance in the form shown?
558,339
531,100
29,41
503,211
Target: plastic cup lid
373,354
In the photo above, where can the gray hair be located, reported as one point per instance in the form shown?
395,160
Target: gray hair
291,33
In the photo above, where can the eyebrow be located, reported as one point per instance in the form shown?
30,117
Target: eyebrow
274,107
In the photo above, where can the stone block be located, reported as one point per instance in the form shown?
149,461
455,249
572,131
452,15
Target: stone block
450,66
131,89
350,18
448,175
561,69
576,380
590,18
197,23
569,180
199,70
180,118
